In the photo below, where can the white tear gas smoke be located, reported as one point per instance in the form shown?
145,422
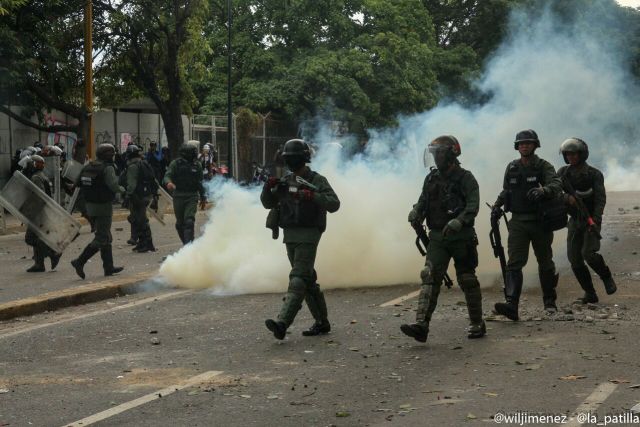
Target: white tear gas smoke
548,77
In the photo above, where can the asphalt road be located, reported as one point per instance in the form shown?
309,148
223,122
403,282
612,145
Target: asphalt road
171,357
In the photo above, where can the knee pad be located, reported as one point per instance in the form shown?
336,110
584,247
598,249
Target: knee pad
297,285
426,275
189,222
468,281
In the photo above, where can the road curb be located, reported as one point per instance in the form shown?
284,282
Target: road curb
78,295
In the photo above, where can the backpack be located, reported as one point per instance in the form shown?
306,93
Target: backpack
147,184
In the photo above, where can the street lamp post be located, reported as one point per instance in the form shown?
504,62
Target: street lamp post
229,111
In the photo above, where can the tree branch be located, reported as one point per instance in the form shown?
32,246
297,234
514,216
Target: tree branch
27,122
52,102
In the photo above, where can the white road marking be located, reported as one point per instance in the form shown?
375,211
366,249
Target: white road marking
93,313
401,299
591,403
144,399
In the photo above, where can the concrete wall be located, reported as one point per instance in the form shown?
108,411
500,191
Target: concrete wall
140,128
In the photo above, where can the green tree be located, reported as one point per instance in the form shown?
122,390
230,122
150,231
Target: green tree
155,48
42,60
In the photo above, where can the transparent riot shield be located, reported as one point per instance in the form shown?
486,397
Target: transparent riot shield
52,171
159,209
51,223
72,170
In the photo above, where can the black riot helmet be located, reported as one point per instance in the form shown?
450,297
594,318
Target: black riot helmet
574,145
296,153
527,135
105,152
133,151
297,147
188,152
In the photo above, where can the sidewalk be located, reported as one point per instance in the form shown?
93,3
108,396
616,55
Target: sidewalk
23,293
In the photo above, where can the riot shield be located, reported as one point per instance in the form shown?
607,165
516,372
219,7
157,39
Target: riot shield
160,209
72,170
50,222
52,171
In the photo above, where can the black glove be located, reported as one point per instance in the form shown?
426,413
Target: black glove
535,194
496,213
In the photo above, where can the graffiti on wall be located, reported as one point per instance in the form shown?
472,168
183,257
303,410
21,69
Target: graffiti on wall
67,139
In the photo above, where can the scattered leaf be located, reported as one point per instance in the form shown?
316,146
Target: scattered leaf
572,377
619,381
342,414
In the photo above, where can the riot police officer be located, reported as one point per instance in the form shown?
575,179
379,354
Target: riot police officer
40,249
302,199
99,186
585,197
527,182
184,178
449,202
141,188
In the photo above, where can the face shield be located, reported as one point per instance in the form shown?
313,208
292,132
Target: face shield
437,155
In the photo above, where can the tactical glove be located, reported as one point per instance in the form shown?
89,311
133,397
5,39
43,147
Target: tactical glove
452,227
535,194
305,194
271,183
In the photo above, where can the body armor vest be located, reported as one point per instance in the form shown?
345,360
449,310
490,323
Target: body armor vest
519,181
92,183
187,176
298,213
445,199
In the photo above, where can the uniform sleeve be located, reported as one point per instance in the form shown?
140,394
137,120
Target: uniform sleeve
421,204
599,197
471,191
171,170
268,198
111,180
132,177
552,182
503,194
325,197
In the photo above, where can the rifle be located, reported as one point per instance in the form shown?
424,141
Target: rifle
582,209
496,242
423,238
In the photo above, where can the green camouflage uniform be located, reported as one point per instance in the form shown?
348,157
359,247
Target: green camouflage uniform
303,223
525,227
444,197
583,244
187,177
137,203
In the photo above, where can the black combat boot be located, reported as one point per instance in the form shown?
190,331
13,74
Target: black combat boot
477,330
549,282
38,257
318,328
145,244
318,308
279,329
189,233
134,235
79,262
586,283
416,331
609,284
107,261
512,291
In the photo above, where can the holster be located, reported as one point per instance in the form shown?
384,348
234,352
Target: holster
273,219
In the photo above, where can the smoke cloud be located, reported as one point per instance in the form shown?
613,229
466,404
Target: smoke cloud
553,78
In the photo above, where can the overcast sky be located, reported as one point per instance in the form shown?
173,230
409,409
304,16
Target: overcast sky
634,3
